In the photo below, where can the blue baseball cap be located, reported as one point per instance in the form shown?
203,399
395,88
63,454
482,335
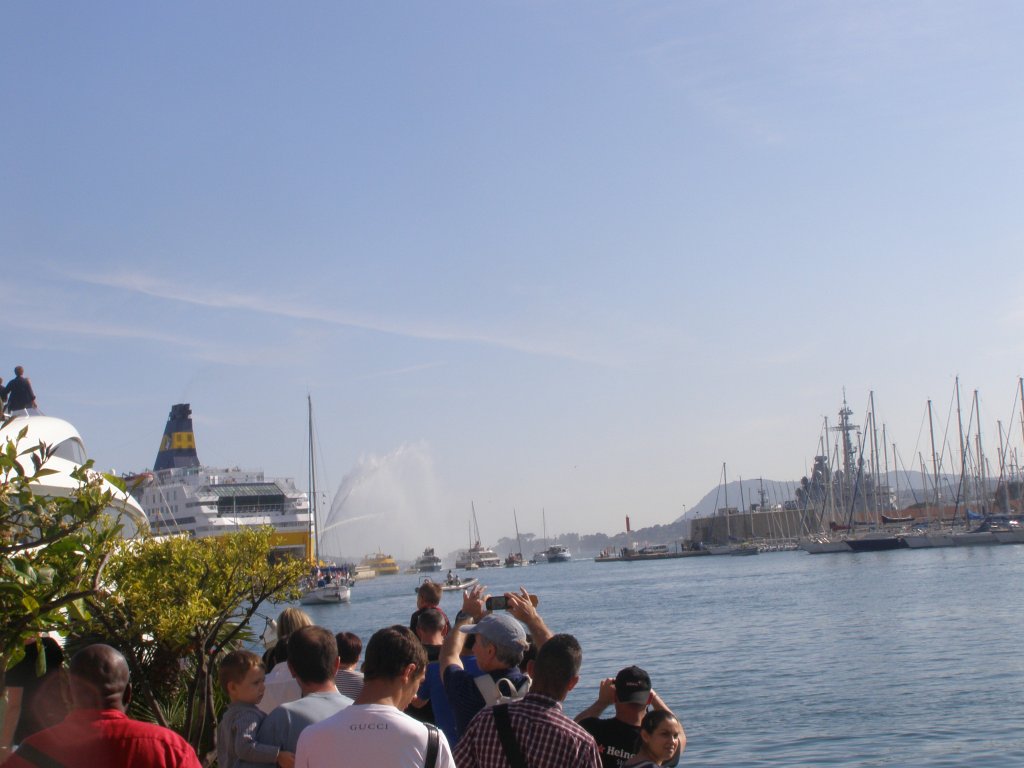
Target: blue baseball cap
499,629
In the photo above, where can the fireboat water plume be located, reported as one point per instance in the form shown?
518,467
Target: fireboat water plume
390,503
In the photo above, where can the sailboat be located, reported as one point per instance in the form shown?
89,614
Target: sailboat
477,556
326,583
515,559
731,547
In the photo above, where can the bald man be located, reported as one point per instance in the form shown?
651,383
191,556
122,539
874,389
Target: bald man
98,732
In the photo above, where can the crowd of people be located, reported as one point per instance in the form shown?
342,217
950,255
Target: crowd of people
484,689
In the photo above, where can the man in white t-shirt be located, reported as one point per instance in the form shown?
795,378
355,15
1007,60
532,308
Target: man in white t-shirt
374,730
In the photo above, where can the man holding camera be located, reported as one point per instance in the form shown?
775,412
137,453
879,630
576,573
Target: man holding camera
500,644
534,731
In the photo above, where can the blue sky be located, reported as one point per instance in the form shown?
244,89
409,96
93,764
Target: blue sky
560,256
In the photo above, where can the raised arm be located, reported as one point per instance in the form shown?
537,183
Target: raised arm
605,698
451,649
656,702
520,606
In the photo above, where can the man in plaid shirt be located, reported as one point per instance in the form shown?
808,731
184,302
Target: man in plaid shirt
544,735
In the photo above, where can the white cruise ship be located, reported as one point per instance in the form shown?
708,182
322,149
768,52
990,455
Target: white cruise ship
182,496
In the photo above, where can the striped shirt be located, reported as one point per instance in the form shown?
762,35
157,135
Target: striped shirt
546,737
349,682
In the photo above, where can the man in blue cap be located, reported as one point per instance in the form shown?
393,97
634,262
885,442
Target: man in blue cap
500,642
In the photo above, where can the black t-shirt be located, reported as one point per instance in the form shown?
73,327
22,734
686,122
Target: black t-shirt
616,740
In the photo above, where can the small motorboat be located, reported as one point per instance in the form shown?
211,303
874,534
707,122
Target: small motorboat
458,584
454,585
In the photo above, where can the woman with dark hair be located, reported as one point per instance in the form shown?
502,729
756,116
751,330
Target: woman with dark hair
661,738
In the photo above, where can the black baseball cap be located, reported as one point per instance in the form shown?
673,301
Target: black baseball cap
633,686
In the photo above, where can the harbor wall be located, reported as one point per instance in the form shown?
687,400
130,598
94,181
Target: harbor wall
774,524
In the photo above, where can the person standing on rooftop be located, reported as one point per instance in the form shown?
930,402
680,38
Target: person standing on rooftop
18,392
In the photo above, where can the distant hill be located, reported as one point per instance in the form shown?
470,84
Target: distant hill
741,496
913,487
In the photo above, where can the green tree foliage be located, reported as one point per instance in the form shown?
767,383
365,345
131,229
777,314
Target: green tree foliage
171,604
52,550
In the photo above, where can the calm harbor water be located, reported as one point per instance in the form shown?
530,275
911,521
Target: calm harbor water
904,658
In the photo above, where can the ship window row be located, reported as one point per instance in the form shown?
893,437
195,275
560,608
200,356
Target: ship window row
219,529
172,523
249,509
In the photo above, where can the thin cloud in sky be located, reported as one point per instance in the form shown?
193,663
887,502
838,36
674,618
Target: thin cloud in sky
401,371
80,327
738,76
200,349
164,289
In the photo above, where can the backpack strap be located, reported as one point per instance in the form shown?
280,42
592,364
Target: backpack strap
508,740
488,688
493,692
31,754
430,761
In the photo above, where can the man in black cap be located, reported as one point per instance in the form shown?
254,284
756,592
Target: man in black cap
631,693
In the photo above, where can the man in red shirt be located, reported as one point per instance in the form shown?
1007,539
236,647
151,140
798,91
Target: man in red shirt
98,732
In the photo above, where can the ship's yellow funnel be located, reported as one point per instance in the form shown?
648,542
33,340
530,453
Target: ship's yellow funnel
178,445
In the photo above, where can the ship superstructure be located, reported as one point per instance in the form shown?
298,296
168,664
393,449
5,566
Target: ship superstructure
181,495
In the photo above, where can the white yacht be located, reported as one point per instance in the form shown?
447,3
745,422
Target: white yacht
556,553
477,556
66,454
182,496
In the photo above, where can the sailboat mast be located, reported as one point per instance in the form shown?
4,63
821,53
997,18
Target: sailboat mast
896,473
982,491
885,453
831,497
725,488
476,525
313,532
519,541
1020,386
935,461
1005,506
874,456
963,450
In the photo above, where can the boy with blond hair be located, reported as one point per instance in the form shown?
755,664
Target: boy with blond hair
428,595
242,678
